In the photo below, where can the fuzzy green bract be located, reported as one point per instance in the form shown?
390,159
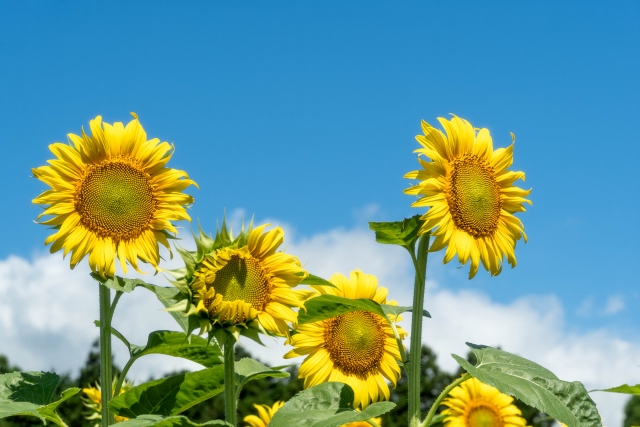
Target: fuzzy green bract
30,393
516,376
325,405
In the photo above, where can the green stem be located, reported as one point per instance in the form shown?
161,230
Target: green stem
445,392
123,374
105,354
415,349
230,413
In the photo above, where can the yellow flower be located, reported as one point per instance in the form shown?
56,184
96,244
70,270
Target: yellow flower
265,413
470,194
245,282
357,348
93,401
112,196
475,404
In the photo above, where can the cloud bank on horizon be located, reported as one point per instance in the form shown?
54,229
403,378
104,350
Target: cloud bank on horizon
47,313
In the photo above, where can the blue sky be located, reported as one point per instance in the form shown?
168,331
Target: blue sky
307,112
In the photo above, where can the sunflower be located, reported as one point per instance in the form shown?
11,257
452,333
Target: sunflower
265,413
475,404
112,196
243,282
93,401
357,348
470,194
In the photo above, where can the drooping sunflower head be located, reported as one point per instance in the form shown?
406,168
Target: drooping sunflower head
470,195
266,412
111,196
475,404
93,402
243,284
357,348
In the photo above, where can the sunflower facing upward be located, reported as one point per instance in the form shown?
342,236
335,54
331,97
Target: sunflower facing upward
112,196
470,194
357,348
243,282
265,413
475,404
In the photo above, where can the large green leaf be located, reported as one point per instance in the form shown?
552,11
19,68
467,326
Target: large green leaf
160,421
327,306
248,370
120,284
567,402
30,393
176,344
325,405
403,233
170,396
316,281
169,297
625,388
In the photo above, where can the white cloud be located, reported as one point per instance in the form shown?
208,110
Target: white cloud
615,304
46,315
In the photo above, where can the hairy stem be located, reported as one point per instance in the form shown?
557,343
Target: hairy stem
105,354
415,349
230,413
445,392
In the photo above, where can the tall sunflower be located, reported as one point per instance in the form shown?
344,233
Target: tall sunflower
243,282
475,404
112,196
266,412
357,348
470,194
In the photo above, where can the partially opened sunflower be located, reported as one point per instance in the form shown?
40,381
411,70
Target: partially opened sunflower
470,195
266,412
111,196
357,348
243,284
475,404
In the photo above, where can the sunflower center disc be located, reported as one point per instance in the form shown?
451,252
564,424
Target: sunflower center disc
243,279
483,416
355,341
474,196
115,200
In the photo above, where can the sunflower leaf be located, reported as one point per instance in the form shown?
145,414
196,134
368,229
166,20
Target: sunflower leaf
325,405
327,306
403,233
160,421
118,283
625,388
30,393
248,370
396,310
170,396
568,402
169,297
316,281
177,344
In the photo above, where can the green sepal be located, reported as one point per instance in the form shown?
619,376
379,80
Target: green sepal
625,389
30,394
248,370
204,244
160,421
328,404
568,402
119,284
316,281
403,233
170,396
188,258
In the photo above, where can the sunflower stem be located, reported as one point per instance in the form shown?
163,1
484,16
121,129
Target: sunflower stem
445,393
105,354
230,413
415,349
